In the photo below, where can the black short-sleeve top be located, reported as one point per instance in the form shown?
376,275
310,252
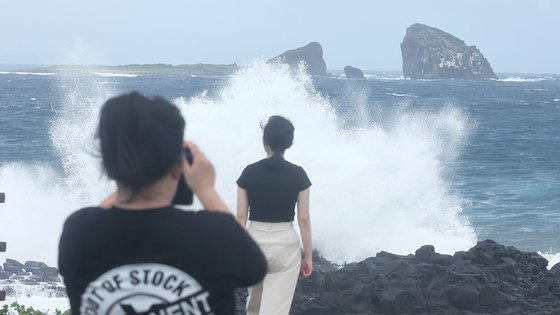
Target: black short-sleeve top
156,261
272,187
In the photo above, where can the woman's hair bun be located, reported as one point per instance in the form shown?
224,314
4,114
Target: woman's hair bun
278,133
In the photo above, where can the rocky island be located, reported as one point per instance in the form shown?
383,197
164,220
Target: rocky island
311,54
353,73
430,53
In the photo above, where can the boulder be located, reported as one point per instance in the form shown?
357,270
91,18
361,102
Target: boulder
460,256
441,259
489,294
353,73
13,269
556,269
52,279
387,255
311,54
35,271
430,53
13,262
5,275
463,297
50,272
424,253
35,264
401,301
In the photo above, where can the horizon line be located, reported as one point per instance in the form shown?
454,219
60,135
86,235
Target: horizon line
213,64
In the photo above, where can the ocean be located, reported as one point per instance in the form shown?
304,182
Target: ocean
395,163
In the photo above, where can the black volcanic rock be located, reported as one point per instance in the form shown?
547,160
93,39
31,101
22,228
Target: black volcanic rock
311,54
487,279
5,275
556,269
430,53
424,253
353,73
30,272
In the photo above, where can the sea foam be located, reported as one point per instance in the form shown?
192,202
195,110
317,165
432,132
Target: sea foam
526,79
111,74
373,188
27,73
376,185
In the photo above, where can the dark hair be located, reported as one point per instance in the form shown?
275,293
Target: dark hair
141,139
278,134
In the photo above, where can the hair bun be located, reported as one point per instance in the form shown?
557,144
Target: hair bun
278,133
141,138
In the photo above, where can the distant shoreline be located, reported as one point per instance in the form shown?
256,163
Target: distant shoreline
186,69
158,68
194,69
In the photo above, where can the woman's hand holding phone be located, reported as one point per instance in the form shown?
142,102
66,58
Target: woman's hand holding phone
201,177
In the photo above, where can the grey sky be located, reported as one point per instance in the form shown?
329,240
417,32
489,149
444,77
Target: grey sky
514,35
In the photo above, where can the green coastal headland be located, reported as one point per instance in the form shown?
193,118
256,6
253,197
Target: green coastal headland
159,68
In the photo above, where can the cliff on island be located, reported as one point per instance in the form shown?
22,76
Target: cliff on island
311,54
430,53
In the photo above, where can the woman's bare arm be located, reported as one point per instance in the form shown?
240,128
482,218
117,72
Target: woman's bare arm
304,222
242,206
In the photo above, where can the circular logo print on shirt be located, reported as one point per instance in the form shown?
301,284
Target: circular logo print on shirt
145,289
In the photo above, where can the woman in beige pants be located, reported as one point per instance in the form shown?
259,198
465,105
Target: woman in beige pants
268,192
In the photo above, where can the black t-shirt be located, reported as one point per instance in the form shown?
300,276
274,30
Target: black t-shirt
272,187
120,261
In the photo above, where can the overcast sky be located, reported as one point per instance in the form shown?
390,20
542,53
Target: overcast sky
514,35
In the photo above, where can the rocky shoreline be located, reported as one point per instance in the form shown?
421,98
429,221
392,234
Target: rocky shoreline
489,278
14,274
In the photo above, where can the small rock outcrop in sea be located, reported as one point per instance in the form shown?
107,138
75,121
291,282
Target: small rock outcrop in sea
489,279
353,73
311,54
430,53
14,274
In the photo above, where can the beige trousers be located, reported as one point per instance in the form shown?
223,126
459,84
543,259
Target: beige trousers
280,245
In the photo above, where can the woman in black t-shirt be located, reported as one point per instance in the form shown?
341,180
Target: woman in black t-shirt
136,253
268,191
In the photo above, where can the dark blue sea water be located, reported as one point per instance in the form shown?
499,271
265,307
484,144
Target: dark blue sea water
505,173
508,173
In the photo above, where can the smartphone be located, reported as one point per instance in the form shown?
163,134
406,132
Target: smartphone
184,195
